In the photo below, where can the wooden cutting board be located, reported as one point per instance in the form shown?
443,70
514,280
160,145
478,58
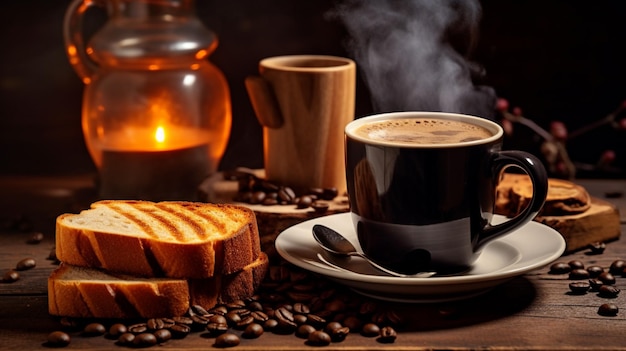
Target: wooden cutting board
580,218
600,223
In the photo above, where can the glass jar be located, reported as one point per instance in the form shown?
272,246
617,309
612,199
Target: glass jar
156,114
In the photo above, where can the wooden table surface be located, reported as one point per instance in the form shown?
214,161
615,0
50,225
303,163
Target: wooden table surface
531,312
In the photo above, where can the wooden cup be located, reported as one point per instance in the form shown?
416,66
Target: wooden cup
303,103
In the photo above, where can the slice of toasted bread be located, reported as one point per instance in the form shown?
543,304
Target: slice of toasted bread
91,293
85,292
164,239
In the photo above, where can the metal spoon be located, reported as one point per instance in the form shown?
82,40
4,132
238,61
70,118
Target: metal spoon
337,244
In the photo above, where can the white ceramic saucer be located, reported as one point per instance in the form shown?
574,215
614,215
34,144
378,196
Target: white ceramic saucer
530,247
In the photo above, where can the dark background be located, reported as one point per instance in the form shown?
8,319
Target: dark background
556,59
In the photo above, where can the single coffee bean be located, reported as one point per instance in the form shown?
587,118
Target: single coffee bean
126,339
257,197
198,310
299,319
304,331
617,267
332,326
595,271
227,340
25,264
301,308
162,335
595,284
253,331
217,328
259,316
609,291
244,322
255,306
199,322
316,321
597,248
576,264
304,202
270,201
145,340
353,323
330,193
233,318
58,339
179,331
608,309
607,278
10,276
270,324
155,324
34,238
116,330
339,334
560,268
94,329
219,310
578,274
387,335
370,330
218,319
579,287
320,206
138,328
318,338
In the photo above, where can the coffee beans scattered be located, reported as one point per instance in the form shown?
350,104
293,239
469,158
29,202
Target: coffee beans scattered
290,301
257,191
593,278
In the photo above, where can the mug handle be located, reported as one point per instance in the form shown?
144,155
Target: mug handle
539,179
264,102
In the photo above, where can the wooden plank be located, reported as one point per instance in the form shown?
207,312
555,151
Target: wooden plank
531,312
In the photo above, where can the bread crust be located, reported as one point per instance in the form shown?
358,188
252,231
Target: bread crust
147,256
124,296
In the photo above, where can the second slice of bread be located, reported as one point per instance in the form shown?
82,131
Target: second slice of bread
91,293
164,239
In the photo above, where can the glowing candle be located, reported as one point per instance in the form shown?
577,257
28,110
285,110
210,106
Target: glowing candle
165,162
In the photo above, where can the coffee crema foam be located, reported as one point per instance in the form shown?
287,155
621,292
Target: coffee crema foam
422,131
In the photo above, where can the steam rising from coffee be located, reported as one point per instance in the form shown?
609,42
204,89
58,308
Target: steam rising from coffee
412,54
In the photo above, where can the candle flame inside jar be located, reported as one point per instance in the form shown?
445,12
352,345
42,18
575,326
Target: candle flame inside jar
159,135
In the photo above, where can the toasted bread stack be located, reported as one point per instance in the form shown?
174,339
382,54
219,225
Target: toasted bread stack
126,259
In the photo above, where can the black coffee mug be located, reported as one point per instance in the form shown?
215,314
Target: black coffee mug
428,207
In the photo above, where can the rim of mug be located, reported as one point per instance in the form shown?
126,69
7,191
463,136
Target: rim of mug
490,125
334,63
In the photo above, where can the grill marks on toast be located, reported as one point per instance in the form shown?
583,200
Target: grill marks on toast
179,221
